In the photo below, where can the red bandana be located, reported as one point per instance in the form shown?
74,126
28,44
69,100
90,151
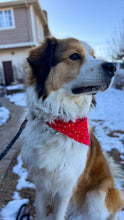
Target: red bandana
76,130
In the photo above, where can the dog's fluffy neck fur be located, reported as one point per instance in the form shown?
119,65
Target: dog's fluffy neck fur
57,105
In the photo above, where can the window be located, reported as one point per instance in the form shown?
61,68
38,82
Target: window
6,19
40,30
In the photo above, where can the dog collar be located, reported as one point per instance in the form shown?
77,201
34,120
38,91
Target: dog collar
77,130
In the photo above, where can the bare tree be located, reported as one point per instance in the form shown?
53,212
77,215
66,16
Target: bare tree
115,46
115,53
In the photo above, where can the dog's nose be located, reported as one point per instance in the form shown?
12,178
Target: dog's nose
109,68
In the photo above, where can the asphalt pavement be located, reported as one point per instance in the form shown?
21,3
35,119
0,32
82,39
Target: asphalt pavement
7,132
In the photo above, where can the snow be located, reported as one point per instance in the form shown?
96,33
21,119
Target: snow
107,117
9,212
23,174
121,215
16,196
119,70
17,99
13,87
4,115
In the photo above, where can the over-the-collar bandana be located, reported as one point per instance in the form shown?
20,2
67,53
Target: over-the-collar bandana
76,130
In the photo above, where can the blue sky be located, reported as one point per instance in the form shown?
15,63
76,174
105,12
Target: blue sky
93,21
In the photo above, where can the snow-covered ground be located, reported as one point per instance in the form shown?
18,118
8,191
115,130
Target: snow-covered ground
4,115
107,118
9,212
17,99
13,87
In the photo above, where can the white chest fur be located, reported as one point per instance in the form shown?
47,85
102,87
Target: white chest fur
59,160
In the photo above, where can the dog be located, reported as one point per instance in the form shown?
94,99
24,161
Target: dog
63,157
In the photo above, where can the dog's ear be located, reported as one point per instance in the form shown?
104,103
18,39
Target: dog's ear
40,60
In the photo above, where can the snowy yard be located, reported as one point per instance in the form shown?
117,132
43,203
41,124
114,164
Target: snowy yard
107,118
4,115
18,99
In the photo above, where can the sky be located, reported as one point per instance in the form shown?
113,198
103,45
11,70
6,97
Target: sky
93,21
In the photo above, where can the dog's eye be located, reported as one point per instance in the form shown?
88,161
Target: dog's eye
75,56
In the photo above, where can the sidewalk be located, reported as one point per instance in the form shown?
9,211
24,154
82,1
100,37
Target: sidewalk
7,132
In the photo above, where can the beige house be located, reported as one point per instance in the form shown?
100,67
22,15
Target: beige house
23,24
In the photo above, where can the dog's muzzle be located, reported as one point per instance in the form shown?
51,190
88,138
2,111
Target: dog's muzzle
108,71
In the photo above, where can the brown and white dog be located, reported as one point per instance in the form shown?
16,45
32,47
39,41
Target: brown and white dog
72,177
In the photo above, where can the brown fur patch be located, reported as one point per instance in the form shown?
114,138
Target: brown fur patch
96,175
40,60
66,70
113,200
97,178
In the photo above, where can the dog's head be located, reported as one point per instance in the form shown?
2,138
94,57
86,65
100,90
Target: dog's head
69,65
